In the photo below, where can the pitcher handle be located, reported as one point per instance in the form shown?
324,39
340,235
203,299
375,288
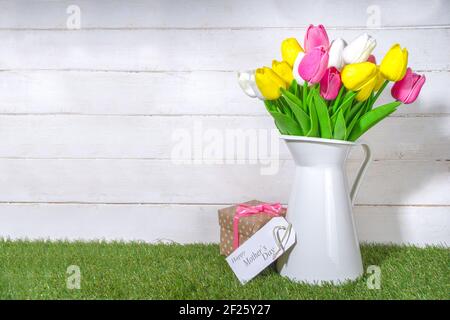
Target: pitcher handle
362,170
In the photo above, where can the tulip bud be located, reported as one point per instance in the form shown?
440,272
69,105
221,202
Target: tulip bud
330,84
316,37
355,76
365,91
336,59
380,80
393,66
269,83
407,90
247,82
359,49
372,59
313,65
283,70
290,48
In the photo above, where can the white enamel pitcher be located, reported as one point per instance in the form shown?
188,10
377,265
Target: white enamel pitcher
320,210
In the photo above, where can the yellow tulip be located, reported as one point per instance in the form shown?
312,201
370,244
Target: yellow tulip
393,66
356,75
290,48
365,91
269,83
284,70
380,80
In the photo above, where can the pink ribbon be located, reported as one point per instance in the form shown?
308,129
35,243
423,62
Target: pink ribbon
244,210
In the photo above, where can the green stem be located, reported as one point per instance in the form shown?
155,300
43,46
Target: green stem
336,102
380,91
305,90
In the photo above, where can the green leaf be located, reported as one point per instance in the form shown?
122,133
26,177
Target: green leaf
284,107
303,119
338,98
323,116
295,105
370,103
354,110
298,92
309,99
340,129
348,99
305,95
371,118
289,96
279,127
293,87
277,106
354,121
286,125
314,130
346,102
270,106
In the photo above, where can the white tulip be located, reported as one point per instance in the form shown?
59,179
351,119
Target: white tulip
335,54
359,49
295,73
247,83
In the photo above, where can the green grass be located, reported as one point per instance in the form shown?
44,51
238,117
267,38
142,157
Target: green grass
37,270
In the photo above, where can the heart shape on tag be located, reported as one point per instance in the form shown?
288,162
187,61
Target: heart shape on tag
281,240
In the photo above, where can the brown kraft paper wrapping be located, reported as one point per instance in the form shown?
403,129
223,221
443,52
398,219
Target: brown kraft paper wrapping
247,226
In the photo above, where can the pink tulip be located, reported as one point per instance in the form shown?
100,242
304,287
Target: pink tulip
313,65
408,89
330,84
372,59
316,37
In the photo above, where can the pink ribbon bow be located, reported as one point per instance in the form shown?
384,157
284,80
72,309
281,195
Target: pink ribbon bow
244,210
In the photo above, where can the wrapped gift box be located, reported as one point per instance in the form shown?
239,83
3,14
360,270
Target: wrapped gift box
247,225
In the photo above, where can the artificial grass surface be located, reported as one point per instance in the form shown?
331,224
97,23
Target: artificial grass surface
37,270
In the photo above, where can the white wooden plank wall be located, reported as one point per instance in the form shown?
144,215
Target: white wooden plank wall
89,117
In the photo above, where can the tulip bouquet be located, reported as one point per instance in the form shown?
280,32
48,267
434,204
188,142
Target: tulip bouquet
329,90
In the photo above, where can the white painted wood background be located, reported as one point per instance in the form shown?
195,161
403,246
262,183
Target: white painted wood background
87,116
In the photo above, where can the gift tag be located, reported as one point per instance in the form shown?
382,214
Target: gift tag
261,249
